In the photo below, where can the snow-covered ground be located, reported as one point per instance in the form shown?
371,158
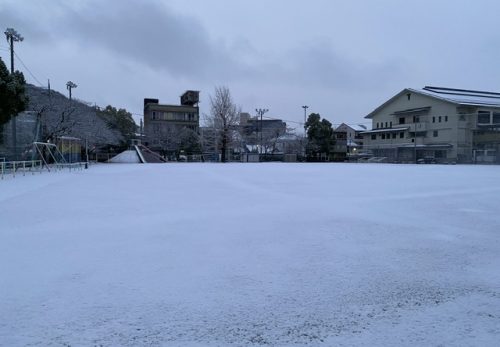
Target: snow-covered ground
251,254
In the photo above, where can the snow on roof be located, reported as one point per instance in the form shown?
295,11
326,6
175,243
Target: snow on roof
358,127
455,96
385,130
463,96
355,127
289,137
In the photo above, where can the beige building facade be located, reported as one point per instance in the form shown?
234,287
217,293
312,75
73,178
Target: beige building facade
438,124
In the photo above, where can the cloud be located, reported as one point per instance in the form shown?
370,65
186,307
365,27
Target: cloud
153,35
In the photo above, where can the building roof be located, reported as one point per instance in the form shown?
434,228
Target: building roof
355,127
412,110
435,145
358,127
385,130
455,96
165,107
463,96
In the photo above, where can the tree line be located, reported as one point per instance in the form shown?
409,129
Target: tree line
223,119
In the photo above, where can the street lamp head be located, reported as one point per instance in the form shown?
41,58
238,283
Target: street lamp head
261,111
10,33
70,85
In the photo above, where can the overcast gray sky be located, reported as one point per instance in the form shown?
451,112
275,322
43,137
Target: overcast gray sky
342,58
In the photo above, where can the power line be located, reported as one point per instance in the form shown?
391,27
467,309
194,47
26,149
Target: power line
27,69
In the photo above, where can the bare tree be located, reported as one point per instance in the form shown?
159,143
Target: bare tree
224,116
57,116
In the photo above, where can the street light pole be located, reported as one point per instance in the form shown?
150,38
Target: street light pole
13,36
70,85
260,112
305,107
415,143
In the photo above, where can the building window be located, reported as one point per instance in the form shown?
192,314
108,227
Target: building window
383,136
374,137
435,133
377,125
393,135
416,119
153,115
496,117
433,119
401,120
440,154
390,124
386,124
401,135
439,119
445,118
483,117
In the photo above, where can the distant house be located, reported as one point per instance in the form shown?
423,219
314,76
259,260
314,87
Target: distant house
353,137
436,124
340,147
164,123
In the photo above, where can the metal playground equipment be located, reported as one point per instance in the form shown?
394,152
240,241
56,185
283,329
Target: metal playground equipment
44,155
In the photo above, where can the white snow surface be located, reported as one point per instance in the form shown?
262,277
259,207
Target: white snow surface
251,255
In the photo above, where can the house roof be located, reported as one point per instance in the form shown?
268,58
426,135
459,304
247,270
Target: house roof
355,127
455,96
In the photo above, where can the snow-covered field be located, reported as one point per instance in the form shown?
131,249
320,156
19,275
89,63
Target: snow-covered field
251,254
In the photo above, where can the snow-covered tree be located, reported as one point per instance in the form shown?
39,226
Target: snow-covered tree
224,116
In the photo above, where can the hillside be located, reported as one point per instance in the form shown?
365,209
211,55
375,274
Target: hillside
49,117
62,117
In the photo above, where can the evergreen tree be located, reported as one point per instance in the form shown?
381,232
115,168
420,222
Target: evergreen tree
121,120
320,137
12,93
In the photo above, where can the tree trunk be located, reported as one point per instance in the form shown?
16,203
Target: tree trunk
224,145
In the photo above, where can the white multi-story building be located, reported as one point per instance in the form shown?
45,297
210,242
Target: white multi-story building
441,124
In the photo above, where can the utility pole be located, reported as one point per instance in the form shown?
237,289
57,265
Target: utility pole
13,36
70,85
305,107
260,112
415,143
